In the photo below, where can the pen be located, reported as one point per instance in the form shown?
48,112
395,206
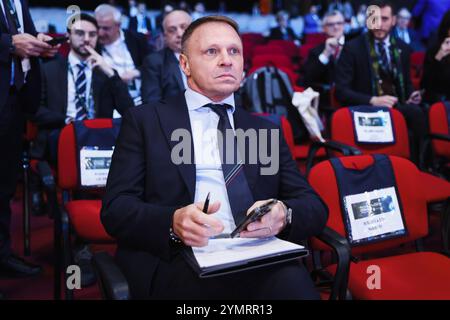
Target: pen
205,206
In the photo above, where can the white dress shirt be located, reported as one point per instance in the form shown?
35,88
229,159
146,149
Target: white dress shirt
208,167
71,78
119,58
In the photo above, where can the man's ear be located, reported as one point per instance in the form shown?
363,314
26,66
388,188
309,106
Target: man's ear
394,21
184,63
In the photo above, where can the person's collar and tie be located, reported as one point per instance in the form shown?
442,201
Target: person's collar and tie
81,74
383,51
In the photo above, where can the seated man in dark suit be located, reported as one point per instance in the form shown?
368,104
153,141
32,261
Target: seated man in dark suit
283,31
405,33
161,73
321,62
152,205
82,86
374,70
123,50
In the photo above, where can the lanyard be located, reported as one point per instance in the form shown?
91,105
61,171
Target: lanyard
124,65
87,94
396,68
11,7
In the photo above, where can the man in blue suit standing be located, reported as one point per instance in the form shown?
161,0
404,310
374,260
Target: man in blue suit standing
153,202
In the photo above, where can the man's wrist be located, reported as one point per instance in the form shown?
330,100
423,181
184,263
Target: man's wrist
287,214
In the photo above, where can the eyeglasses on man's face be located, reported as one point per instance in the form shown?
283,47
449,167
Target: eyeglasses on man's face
334,24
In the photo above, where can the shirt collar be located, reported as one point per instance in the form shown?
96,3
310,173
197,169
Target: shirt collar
195,100
386,41
74,61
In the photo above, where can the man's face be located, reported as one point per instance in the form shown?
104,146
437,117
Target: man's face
213,61
403,21
174,25
83,33
334,26
387,23
108,29
283,21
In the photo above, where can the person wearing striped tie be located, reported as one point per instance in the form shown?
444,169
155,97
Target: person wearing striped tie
79,87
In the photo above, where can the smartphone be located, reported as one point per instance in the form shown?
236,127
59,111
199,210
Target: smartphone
57,40
256,214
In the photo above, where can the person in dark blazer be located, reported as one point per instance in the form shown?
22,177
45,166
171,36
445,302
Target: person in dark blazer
140,23
283,31
320,65
123,50
58,105
405,33
359,83
153,202
161,73
436,69
20,45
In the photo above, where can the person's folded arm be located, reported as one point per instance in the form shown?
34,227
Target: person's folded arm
125,215
119,92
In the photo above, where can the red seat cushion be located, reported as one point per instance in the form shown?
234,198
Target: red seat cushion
301,151
436,189
414,276
85,218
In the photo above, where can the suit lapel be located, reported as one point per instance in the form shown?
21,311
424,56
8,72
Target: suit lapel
131,48
96,86
174,68
174,115
243,121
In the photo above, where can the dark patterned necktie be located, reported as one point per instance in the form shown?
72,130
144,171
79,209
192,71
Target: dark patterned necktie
14,26
383,56
80,92
238,191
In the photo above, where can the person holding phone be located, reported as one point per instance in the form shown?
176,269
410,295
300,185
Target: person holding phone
20,48
436,72
81,86
153,204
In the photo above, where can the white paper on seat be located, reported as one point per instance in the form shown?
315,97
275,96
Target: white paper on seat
94,166
373,127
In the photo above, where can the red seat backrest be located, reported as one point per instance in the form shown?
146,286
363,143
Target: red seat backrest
315,38
323,180
342,131
289,47
272,60
67,153
268,50
437,116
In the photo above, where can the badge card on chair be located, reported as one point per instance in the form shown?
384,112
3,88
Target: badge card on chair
373,127
94,166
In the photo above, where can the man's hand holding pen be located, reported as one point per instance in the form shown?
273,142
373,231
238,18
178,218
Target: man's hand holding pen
193,226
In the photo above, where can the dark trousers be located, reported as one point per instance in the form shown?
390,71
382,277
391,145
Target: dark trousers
416,120
287,281
11,130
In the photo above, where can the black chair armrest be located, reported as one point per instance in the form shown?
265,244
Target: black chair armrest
341,247
113,284
438,136
346,150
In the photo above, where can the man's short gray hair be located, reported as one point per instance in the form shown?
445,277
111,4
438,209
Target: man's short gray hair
332,13
106,10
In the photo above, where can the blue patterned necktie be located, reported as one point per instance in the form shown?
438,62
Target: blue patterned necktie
238,191
80,92
385,65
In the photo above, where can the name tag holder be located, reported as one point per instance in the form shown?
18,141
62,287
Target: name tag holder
95,147
371,208
373,125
